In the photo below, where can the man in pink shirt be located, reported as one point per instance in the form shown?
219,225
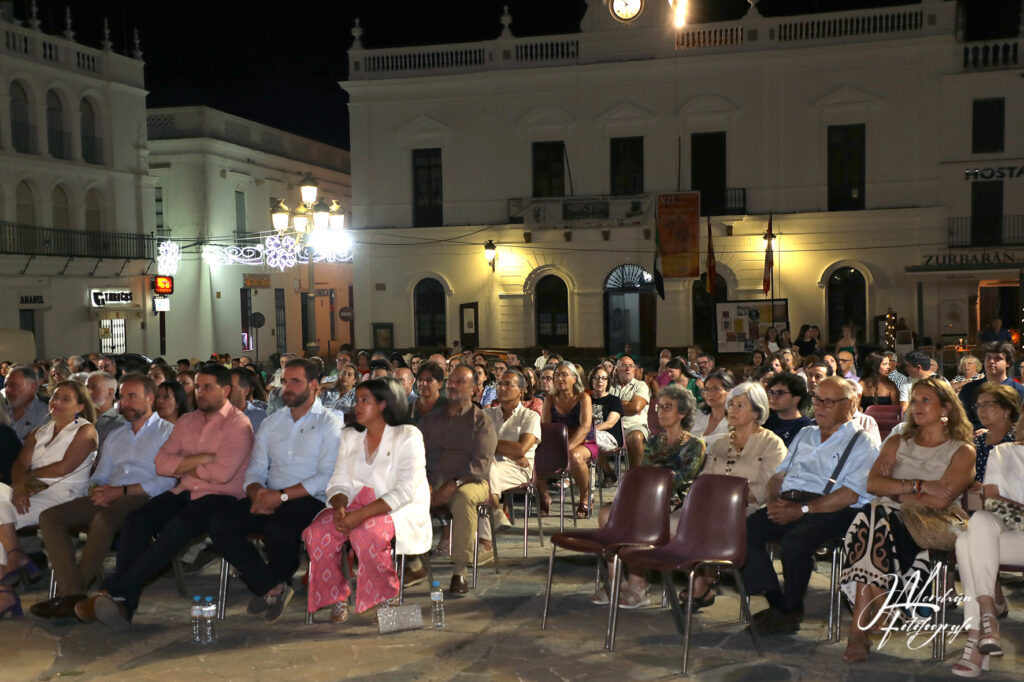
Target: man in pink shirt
208,451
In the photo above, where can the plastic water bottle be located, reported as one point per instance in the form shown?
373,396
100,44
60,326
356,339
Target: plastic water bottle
437,605
209,622
196,608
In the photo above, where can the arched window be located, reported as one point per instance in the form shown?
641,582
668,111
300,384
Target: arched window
93,212
92,151
58,138
705,334
23,133
61,209
429,313
630,310
26,209
847,302
552,305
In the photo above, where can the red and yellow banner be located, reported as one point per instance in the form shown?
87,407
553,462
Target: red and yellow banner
679,234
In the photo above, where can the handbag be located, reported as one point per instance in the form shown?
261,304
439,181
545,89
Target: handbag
934,528
33,485
395,618
1012,515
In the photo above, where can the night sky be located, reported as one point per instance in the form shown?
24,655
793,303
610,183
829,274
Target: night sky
281,67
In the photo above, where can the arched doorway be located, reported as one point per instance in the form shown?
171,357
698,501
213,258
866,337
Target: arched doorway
630,310
847,302
705,332
552,306
429,311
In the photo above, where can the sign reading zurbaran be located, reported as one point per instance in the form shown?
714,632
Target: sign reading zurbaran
994,173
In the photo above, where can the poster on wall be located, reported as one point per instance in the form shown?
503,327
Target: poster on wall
742,325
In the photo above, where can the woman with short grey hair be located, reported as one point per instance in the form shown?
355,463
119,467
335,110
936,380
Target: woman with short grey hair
686,404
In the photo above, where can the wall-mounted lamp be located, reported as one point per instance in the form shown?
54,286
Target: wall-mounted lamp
490,250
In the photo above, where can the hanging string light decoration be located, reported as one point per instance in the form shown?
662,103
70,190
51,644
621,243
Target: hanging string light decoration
890,329
167,259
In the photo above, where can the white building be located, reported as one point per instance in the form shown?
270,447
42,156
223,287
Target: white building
214,176
73,187
860,131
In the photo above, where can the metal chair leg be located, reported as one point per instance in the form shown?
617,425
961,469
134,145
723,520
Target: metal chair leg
401,578
526,521
613,603
53,584
572,497
179,576
939,595
547,590
745,606
476,548
222,587
561,505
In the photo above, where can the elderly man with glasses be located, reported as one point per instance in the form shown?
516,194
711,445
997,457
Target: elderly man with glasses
634,395
812,497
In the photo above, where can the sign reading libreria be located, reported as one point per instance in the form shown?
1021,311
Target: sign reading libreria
101,298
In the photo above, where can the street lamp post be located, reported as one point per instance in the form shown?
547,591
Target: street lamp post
328,223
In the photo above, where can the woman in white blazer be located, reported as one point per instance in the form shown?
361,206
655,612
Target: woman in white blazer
378,493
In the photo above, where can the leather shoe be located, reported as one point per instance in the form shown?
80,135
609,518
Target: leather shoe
414,577
58,607
112,612
86,609
459,585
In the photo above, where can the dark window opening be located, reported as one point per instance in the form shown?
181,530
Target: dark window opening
426,187
549,169
846,164
988,124
627,165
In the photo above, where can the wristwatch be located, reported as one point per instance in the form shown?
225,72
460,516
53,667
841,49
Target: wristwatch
284,496
805,509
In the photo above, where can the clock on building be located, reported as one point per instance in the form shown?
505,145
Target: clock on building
626,10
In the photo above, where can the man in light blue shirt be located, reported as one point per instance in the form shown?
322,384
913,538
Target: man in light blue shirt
242,386
811,499
285,486
124,480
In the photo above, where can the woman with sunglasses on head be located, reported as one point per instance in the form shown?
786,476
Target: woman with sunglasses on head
710,421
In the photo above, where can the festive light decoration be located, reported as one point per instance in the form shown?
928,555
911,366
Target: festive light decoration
233,254
281,252
168,258
890,329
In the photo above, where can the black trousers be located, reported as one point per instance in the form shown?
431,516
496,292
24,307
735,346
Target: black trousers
173,520
799,541
282,537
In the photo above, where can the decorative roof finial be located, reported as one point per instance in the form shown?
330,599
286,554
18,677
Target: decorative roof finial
506,20
68,32
33,21
753,6
137,52
107,45
357,33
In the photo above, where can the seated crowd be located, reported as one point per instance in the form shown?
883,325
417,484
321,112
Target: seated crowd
359,459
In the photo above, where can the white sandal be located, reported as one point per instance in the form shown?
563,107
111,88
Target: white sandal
965,667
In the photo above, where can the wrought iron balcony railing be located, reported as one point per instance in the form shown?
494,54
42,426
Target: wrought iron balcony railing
1007,230
30,240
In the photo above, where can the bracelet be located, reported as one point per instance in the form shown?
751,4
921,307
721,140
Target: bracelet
125,489
917,486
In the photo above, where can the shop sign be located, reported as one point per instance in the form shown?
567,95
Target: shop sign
101,298
954,260
32,300
253,281
994,173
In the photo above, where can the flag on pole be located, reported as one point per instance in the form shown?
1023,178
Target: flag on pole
710,286
769,259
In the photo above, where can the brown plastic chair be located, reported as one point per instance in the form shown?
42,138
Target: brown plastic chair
552,460
639,516
883,411
712,531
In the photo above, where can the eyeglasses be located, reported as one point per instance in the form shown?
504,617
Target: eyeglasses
827,402
778,394
713,389
547,378
600,378
985,405
624,366
563,374
664,407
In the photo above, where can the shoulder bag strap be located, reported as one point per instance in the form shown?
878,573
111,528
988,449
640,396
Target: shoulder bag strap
842,462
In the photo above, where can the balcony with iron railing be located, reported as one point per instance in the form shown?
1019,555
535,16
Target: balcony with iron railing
30,240
732,202
23,138
92,149
59,144
986,231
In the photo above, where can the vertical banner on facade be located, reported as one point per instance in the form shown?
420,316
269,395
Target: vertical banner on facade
743,325
679,234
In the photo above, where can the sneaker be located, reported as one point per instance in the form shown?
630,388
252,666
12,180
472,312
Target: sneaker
277,603
258,604
500,519
484,557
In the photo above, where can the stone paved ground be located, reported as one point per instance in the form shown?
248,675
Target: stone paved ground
492,634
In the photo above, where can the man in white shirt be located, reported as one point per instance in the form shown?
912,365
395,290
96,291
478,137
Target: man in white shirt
518,436
865,421
285,487
634,395
102,389
542,359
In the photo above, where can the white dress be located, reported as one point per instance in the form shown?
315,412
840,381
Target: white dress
49,450
700,425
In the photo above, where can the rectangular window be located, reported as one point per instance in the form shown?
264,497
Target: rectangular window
627,165
707,171
158,201
426,188
988,125
846,167
280,322
245,296
987,213
113,337
549,169
240,227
